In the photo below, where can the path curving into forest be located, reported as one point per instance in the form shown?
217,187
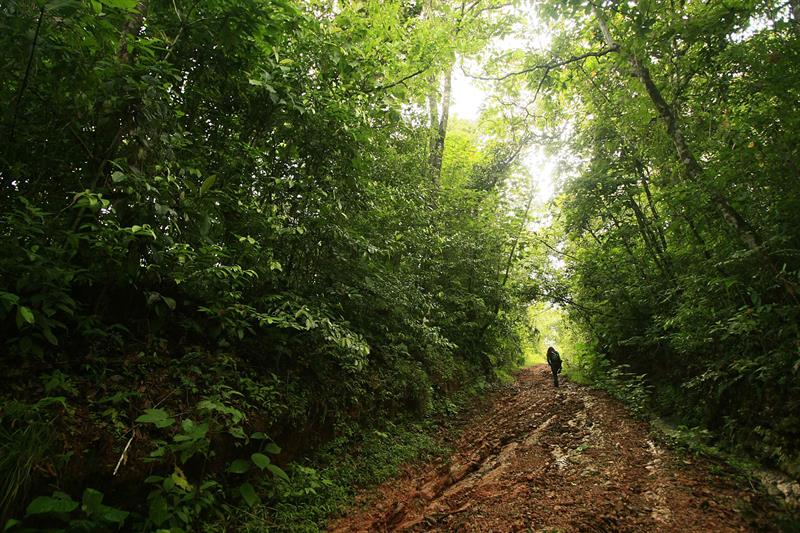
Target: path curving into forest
540,459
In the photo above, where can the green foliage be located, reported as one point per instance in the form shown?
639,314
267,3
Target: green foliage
679,208
588,367
360,458
218,223
66,514
26,439
694,440
222,224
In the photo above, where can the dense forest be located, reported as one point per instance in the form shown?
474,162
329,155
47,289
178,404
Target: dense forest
680,222
240,236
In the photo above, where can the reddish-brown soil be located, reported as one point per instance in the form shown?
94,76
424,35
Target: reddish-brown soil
545,459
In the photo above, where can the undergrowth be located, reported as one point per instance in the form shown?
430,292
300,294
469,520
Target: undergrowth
694,441
188,452
358,459
594,370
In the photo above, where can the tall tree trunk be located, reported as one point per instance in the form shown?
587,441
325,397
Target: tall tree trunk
440,128
433,113
651,203
650,241
516,240
686,157
629,248
131,28
24,83
701,242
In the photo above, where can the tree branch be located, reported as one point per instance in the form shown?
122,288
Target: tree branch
398,82
547,67
27,76
566,300
553,248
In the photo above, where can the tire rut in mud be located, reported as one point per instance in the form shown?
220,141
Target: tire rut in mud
544,459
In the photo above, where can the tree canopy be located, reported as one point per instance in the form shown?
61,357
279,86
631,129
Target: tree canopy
235,230
235,210
678,218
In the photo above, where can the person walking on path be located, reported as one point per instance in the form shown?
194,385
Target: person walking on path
554,360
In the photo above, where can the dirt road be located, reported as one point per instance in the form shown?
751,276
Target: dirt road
541,459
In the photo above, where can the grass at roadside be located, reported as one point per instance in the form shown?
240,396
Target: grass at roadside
358,459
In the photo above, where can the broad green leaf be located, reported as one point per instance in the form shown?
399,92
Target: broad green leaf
50,400
92,505
9,298
239,466
25,314
158,417
169,301
207,184
237,432
112,514
191,431
48,334
48,504
54,5
91,501
272,448
249,494
127,5
179,478
142,231
278,472
159,510
260,460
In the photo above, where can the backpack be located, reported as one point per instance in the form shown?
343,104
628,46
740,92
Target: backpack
553,358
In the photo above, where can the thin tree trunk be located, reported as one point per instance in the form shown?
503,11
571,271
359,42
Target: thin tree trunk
651,203
24,84
649,238
433,112
132,27
440,128
646,227
628,248
688,161
685,155
594,236
516,240
699,238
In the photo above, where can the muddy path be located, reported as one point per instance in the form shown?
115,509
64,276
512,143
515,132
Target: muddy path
541,459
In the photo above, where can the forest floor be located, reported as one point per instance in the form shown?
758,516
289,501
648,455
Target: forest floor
536,458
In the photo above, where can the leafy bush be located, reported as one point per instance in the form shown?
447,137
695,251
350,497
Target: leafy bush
591,368
220,221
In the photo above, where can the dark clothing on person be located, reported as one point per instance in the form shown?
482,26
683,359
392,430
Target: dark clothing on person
554,360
